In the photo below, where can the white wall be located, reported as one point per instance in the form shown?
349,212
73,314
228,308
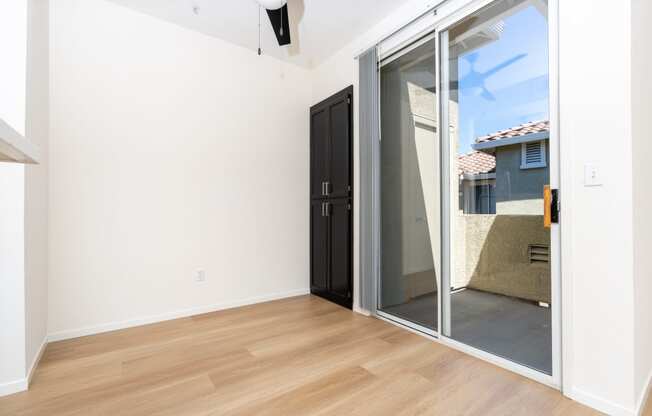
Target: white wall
13,55
596,128
170,151
642,151
12,283
23,199
597,235
36,183
13,44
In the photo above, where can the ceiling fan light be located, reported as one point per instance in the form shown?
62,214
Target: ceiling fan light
272,4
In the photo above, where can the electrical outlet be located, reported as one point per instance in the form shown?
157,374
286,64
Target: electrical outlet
200,275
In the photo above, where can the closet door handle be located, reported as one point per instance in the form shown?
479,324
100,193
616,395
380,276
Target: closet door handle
323,189
327,209
327,186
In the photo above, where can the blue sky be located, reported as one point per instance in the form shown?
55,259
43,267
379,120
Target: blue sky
520,89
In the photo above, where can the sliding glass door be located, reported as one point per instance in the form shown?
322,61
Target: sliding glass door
409,187
495,72
463,230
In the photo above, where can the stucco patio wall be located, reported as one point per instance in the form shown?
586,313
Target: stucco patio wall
491,254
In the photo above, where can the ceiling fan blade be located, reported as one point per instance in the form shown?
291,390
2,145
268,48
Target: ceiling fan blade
487,95
281,25
504,65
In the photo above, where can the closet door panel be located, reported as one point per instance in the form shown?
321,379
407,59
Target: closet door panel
319,151
340,148
319,247
340,246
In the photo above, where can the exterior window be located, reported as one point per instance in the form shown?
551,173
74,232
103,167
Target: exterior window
485,200
533,155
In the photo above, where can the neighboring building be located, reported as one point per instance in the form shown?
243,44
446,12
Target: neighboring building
477,173
506,172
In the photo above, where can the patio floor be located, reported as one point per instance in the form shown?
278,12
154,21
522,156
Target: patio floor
508,327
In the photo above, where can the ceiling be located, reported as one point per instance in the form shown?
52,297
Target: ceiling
319,28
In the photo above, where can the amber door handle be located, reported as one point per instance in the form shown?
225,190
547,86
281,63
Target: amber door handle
547,206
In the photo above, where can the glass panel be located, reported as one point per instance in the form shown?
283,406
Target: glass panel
497,108
410,186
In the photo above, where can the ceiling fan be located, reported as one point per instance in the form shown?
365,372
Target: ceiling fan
277,12
475,81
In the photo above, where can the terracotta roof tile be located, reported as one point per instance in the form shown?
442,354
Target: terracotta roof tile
522,130
475,162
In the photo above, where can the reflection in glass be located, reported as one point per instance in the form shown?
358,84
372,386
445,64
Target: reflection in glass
409,174
497,109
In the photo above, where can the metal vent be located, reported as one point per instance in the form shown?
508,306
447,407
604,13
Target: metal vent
533,155
538,253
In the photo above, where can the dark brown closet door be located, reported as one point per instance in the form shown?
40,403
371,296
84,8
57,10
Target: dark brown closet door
331,256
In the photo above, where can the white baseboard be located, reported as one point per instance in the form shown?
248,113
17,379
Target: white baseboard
611,408
113,326
37,359
361,311
600,404
13,387
645,394
23,384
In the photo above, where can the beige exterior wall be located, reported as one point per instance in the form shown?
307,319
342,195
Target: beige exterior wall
522,207
491,254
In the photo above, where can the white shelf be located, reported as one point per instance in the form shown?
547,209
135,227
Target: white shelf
16,148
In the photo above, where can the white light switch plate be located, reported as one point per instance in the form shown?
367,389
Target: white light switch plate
592,175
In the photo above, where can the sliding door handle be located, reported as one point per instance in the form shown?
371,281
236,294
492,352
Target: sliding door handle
550,206
554,206
327,209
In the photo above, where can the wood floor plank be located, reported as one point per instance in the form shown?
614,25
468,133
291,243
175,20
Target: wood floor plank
152,401
312,397
647,409
387,396
296,356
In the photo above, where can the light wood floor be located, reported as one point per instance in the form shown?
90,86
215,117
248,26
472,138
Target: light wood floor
298,356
